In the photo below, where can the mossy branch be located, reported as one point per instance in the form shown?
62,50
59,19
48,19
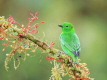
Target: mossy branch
63,64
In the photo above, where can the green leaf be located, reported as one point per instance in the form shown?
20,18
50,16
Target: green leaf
26,45
10,29
14,33
48,50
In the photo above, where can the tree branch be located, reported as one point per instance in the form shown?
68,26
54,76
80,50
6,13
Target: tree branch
62,62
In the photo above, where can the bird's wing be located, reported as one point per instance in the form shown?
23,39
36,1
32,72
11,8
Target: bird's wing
71,42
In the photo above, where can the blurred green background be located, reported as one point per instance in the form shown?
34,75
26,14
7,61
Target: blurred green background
90,20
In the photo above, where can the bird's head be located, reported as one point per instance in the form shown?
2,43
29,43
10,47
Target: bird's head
67,27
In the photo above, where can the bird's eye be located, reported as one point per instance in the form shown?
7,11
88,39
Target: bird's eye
66,26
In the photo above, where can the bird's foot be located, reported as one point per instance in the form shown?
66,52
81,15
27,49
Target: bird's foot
60,53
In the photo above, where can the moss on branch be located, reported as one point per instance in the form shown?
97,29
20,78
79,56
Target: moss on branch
63,64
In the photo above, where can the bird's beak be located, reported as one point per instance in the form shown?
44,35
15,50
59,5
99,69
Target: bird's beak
60,25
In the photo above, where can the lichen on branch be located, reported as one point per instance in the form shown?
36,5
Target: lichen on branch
21,39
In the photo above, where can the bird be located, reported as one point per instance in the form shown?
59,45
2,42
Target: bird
69,41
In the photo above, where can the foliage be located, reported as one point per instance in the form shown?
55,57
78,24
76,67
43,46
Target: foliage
21,39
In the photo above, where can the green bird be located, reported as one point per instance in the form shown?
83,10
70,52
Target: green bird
69,41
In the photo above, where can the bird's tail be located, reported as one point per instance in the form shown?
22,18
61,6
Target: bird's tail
75,59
